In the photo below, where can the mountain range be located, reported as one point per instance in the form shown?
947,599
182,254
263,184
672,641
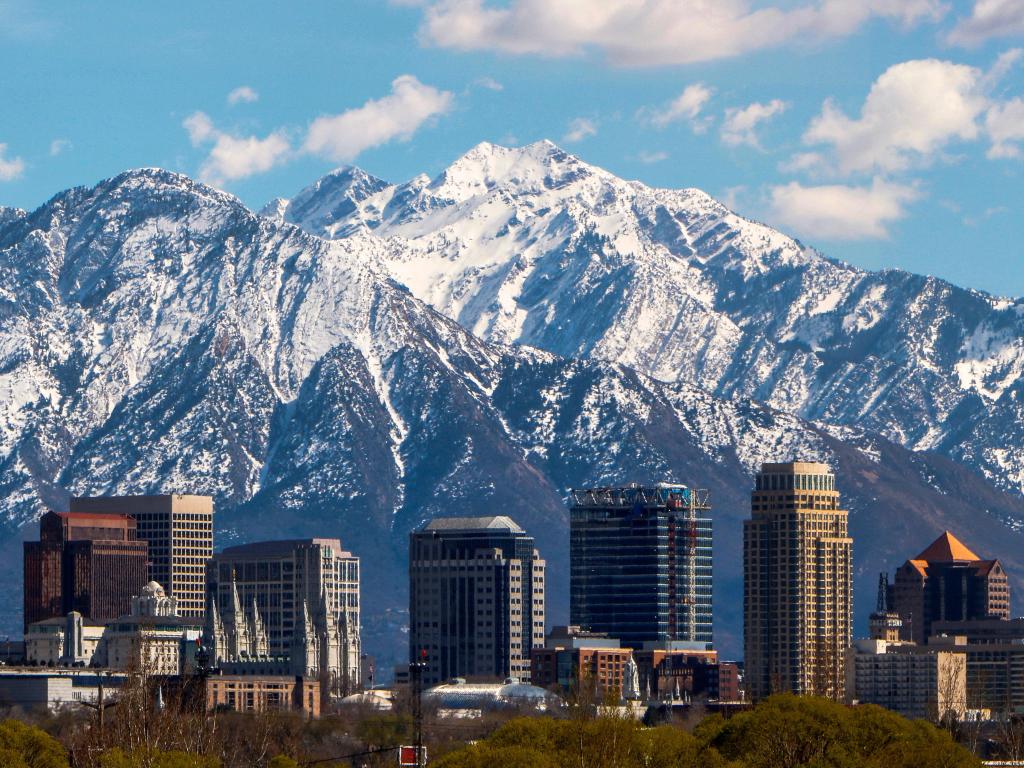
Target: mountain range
365,356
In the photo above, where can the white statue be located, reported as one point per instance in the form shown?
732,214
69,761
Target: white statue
631,680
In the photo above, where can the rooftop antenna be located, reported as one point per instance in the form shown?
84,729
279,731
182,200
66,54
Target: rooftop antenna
883,590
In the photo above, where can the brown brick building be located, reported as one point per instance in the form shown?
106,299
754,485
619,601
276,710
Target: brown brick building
947,582
179,531
88,563
572,658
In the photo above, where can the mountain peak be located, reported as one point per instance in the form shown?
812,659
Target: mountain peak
331,197
530,168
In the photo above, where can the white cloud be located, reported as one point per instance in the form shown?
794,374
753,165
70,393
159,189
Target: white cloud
649,158
10,168
579,129
803,162
838,212
395,116
740,126
59,145
234,157
686,106
913,111
1007,60
243,94
653,32
489,83
989,19
1005,126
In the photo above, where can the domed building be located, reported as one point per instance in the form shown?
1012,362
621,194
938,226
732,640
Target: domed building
461,698
153,601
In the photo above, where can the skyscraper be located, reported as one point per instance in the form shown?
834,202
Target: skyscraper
476,598
640,563
948,582
796,583
92,564
179,531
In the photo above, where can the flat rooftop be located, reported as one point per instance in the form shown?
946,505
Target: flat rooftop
280,548
487,522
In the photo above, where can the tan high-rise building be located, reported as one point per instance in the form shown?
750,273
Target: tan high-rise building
797,595
179,531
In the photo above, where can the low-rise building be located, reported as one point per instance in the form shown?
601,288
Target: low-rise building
162,645
572,658
459,698
677,669
915,681
47,642
256,693
995,662
54,689
152,637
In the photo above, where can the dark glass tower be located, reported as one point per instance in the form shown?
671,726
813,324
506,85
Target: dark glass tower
641,563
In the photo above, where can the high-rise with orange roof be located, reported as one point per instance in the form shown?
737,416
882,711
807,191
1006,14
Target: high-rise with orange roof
948,582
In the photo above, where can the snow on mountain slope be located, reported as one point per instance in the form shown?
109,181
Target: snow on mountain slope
534,246
156,336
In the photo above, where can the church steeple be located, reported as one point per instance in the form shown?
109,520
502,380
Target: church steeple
213,633
236,626
259,642
304,646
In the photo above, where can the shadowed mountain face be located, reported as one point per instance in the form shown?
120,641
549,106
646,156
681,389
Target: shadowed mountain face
534,246
156,336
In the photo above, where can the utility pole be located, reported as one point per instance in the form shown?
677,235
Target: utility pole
101,704
416,679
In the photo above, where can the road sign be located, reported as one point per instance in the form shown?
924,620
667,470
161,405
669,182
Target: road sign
407,756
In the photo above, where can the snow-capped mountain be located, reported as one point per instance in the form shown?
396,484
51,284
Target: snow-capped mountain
534,246
157,336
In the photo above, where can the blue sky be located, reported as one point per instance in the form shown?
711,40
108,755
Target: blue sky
889,133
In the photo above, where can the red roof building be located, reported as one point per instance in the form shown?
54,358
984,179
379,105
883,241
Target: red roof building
947,582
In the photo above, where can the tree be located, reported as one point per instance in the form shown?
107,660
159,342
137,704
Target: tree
149,758
22,746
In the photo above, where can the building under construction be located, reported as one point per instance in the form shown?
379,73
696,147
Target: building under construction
641,563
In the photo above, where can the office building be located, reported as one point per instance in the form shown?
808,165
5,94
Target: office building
179,531
476,598
916,681
289,598
947,582
995,662
796,583
640,563
91,564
